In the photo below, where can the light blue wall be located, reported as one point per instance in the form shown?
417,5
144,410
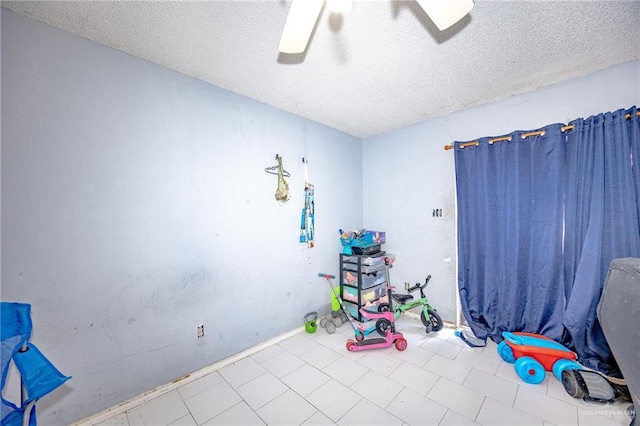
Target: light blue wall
407,173
135,206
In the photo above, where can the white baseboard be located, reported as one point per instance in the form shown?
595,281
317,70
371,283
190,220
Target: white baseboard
181,381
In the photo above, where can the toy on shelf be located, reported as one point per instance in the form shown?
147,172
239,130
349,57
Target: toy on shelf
361,241
533,354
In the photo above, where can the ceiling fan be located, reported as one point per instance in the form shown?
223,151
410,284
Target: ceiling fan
303,15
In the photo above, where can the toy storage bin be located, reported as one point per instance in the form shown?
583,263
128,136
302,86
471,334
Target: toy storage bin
366,281
367,243
350,294
362,280
371,280
369,249
350,278
352,310
369,295
369,237
380,291
367,269
373,260
363,240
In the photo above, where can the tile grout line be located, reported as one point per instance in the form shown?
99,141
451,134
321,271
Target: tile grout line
175,384
546,392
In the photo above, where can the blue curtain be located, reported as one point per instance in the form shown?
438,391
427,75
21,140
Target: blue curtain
510,234
601,222
539,221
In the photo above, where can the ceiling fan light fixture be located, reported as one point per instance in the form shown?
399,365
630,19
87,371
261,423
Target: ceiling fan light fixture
301,20
445,13
303,15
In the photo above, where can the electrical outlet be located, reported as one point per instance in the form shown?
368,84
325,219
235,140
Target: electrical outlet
200,330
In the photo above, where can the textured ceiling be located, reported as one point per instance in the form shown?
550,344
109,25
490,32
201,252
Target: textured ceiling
382,66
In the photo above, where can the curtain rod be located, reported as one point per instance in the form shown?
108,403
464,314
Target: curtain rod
523,136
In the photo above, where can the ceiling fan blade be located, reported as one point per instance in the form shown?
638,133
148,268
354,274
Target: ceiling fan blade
445,13
302,17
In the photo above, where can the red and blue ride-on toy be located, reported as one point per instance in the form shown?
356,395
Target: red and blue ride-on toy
534,354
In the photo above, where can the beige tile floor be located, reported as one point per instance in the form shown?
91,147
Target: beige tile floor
311,379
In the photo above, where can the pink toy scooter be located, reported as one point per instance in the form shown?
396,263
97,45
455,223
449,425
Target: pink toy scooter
384,325
391,336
